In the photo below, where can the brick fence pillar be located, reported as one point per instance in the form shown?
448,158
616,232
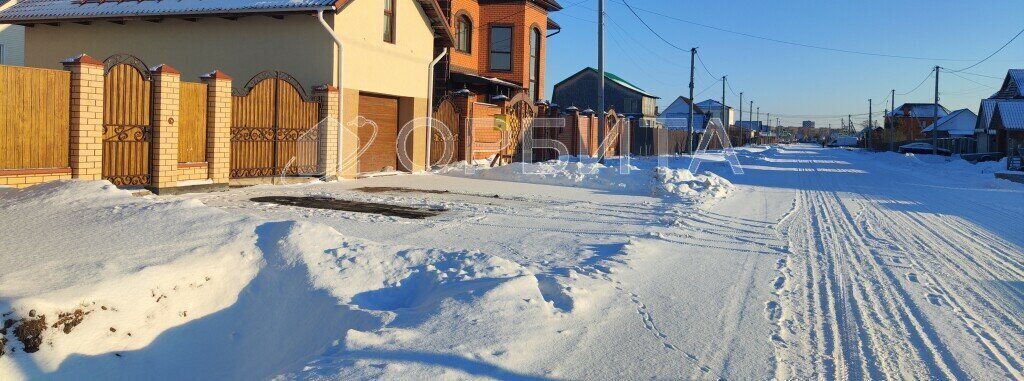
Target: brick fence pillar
464,102
218,126
329,98
86,117
166,94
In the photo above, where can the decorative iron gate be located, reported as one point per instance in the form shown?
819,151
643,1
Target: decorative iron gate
448,114
273,128
127,126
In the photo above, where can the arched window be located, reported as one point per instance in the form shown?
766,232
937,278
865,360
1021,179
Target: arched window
464,35
535,41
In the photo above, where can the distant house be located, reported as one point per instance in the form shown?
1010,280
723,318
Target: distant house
959,123
580,90
1012,91
714,109
909,119
676,115
12,41
1008,122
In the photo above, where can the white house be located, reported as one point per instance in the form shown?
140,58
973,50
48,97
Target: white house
714,108
12,41
959,123
675,116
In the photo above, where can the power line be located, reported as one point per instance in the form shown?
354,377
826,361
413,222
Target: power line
784,41
919,84
990,55
651,29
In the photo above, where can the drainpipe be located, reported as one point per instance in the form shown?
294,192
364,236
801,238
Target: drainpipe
430,104
341,88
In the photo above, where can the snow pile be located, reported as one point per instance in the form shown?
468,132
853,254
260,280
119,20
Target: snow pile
648,179
963,171
98,283
681,182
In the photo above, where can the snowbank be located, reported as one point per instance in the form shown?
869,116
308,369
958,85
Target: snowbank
97,284
644,178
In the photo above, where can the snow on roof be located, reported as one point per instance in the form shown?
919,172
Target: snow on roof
711,104
988,108
959,122
1012,115
919,110
37,10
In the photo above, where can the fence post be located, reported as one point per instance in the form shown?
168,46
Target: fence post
86,142
166,93
329,97
218,125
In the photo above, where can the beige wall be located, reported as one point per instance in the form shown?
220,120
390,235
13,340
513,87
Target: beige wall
242,48
372,65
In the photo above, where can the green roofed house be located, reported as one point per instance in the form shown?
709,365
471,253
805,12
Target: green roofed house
580,90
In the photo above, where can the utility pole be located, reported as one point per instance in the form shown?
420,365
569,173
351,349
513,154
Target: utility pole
751,119
849,122
725,114
867,143
600,78
740,122
935,116
759,121
892,122
689,120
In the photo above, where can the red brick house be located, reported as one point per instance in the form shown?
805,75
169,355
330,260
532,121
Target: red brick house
500,47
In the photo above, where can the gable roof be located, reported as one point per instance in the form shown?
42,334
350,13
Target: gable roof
919,110
50,11
1013,85
1011,114
709,104
959,122
682,105
611,77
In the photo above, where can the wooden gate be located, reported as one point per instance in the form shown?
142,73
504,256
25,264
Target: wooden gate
192,123
127,128
273,128
519,114
448,114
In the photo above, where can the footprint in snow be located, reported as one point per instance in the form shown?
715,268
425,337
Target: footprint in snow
912,277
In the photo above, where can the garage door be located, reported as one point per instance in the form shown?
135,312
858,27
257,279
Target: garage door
381,155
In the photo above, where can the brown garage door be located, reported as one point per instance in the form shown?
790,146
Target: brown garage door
381,154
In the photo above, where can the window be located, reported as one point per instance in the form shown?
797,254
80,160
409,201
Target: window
501,48
534,63
464,38
389,21
1,53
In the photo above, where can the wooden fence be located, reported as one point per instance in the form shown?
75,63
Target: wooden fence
34,118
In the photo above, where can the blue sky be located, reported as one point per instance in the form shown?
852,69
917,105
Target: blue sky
799,82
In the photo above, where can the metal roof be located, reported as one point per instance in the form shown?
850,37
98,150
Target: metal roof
710,104
959,122
1012,115
919,110
55,10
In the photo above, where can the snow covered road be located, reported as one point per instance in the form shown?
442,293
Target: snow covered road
819,264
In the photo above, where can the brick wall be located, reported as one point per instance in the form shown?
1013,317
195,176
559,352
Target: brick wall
28,177
192,171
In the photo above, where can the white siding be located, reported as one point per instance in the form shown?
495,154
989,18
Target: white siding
12,40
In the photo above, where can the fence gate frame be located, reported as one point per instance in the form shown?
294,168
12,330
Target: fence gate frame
264,139
448,112
519,114
127,121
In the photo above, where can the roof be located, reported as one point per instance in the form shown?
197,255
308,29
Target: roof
710,104
919,110
681,105
25,11
49,11
678,121
1011,114
959,122
988,108
1013,85
549,5
612,77
481,80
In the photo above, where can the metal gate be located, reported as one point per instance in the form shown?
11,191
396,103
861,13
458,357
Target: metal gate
448,114
127,128
273,128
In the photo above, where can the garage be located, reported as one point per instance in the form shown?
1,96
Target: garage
381,154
